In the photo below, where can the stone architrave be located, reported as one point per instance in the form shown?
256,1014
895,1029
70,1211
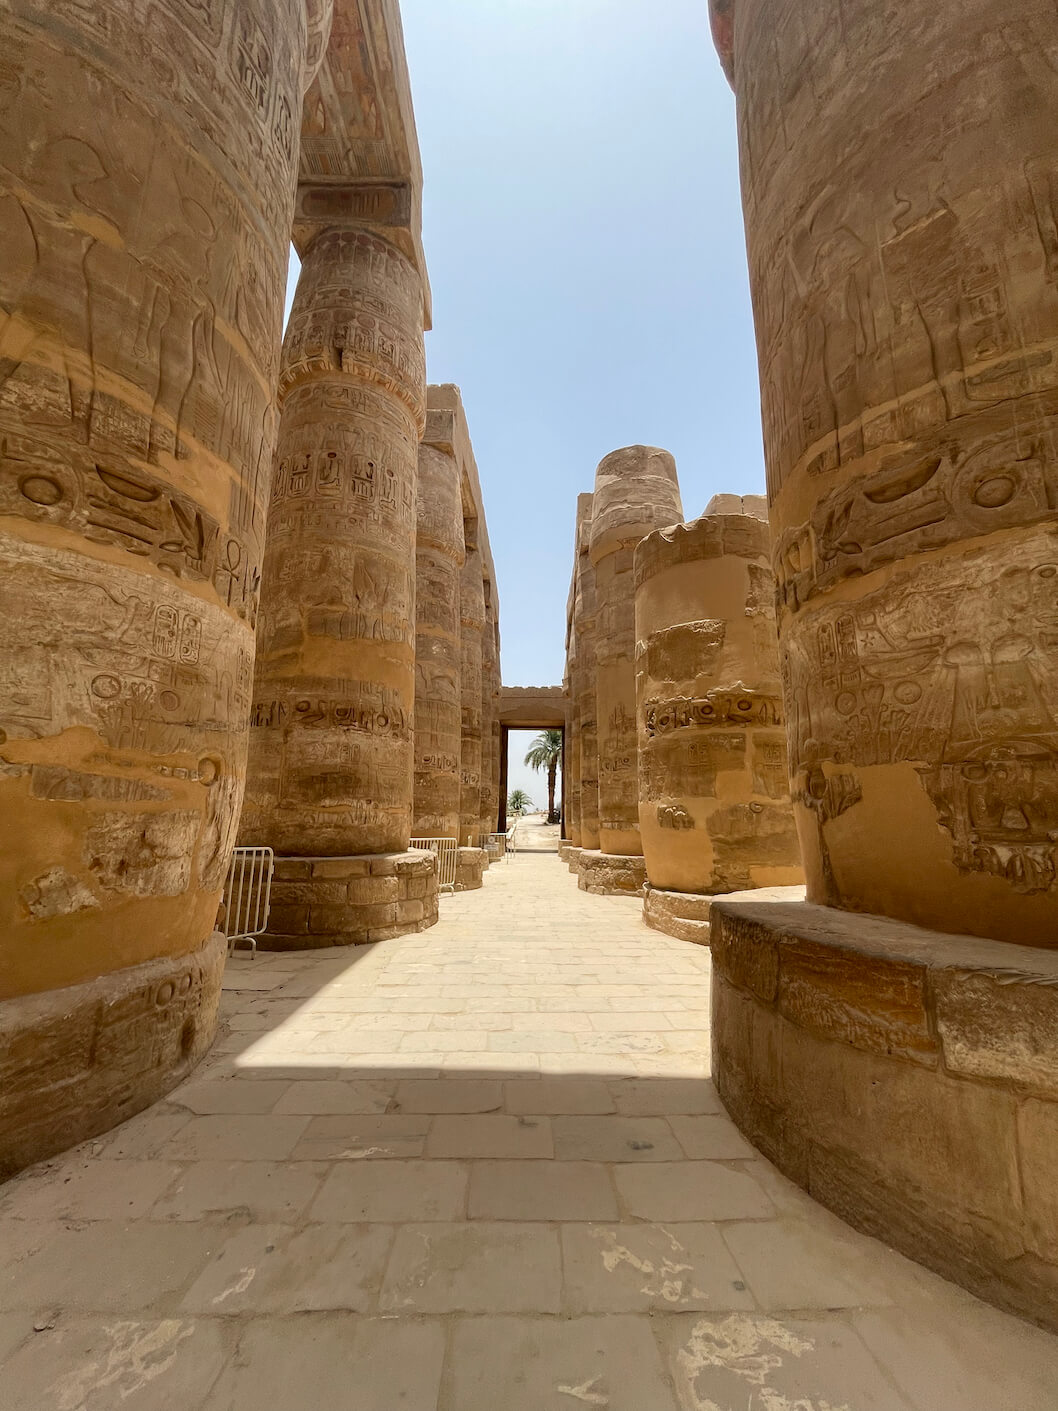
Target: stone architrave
439,555
472,626
331,756
636,492
147,166
714,796
906,293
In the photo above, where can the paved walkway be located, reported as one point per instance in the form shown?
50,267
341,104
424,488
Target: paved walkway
480,1169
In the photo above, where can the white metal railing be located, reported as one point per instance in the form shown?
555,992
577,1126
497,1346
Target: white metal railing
501,844
248,895
447,850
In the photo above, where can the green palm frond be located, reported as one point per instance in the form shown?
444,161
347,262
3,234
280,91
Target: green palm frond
545,750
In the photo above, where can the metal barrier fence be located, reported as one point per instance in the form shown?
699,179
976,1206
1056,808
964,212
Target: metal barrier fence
500,845
447,850
247,895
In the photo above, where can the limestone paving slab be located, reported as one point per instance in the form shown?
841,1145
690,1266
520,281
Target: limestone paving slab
308,1222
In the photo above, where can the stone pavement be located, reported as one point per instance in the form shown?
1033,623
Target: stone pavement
479,1169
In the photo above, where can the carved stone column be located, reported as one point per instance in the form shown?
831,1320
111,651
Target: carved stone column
714,795
472,626
490,725
636,491
584,686
438,661
901,209
906,297
145,206
330,774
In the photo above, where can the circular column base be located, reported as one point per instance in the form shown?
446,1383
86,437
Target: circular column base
350,901
684,915
572,859
470,865
907,1079
611,874
77,1061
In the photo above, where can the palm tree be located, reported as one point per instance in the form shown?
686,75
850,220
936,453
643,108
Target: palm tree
545,753
519,803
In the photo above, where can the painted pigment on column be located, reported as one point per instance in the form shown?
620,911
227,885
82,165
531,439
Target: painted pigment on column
330,773
147,190
438,664
714,795
636,491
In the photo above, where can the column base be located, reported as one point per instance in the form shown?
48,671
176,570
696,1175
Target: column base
77,1061
907,1079
564,849
350,901
684,915
572,860
611,874
470,865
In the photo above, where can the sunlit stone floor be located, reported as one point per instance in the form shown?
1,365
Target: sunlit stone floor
480,1169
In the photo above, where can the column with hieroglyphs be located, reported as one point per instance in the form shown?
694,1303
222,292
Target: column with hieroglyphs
329,786
636,491
146,184
472,627
438,661
490,726
901,214
714,793
584,683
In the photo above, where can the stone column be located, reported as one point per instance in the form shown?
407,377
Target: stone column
584,686
901,215
714,797
439,558
146,193
906,295
490,693
472,624
330,775
636,491
571,785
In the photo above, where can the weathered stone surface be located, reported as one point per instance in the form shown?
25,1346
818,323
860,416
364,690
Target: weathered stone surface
608,874
77,1060
353,901
714,802
490,723
684,915
331,751
439,559
885,1068
907,317
636,491
472,627
142,287
470,865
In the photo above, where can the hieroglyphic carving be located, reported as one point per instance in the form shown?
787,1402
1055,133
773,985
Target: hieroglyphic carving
335,682
738,705
911,672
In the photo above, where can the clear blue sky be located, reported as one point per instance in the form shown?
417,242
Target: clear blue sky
584,238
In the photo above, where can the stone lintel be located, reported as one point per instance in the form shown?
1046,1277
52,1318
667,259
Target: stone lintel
75,1062
348,901
533,707
907,1079
358,123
